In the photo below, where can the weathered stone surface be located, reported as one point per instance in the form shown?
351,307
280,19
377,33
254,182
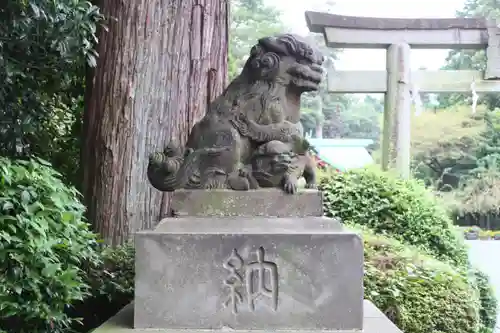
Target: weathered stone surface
374,321
251,136
313,280
492,71
318,21
261,202
248,225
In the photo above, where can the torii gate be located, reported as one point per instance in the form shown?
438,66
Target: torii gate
398,36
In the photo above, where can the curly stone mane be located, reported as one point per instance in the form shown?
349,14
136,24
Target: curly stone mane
260,85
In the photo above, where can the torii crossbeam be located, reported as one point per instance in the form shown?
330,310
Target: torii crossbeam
398,36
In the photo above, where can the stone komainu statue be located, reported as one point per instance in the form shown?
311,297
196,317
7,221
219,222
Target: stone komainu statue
251,135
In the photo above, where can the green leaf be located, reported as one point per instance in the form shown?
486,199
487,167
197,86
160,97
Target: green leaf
50,269
7,206
25,197
18,290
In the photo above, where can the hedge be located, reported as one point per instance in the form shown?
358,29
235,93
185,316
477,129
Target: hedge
416,262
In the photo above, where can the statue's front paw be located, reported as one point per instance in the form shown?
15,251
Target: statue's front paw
214,184
312,186
290,185
290,136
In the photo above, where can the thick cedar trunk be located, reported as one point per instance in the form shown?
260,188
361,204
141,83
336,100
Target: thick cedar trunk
160,63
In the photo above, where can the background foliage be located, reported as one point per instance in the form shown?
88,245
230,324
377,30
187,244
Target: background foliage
44,242
416,265
43,51
111,282
418,293
405,210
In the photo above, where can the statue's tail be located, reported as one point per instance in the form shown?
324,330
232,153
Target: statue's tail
168,174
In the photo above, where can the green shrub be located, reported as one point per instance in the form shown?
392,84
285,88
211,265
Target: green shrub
115,275
489,303
388,205
417,292
111,287
44,243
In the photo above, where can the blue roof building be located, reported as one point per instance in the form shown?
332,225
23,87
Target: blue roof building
343,154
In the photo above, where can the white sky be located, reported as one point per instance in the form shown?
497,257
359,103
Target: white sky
359,59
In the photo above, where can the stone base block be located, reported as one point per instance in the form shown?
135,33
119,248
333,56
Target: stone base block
262,202
374,321
249,274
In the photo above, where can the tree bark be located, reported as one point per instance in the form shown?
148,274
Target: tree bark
160,63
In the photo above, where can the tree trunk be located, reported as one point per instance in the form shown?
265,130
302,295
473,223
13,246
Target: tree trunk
160,63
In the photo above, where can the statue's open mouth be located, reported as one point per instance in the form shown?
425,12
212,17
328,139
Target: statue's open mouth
306,77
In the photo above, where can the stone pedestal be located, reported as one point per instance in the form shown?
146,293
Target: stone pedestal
264,202
279,265
244,273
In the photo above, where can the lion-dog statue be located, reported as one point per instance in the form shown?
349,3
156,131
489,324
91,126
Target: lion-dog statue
251,136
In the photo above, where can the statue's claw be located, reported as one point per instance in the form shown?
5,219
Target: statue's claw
290,185
215,183
311,186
